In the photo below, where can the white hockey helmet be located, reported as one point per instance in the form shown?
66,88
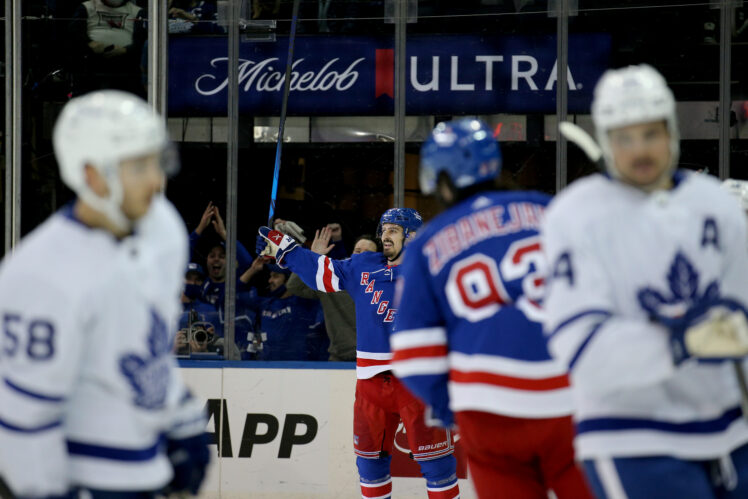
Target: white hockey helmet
101,129
739,189
629,96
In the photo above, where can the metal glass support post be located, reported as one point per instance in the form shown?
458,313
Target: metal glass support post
401,18
13,130
725,77
232,175
562,91
158,50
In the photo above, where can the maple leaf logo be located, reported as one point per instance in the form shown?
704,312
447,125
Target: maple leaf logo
683,281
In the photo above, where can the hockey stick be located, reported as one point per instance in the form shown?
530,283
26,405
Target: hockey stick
576,134
5,492
284,109
740,375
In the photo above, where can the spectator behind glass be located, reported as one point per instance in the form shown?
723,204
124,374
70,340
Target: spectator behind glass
200,325
366,242
289,326
193,16
337,249
107,38
338,308
215,261
338,252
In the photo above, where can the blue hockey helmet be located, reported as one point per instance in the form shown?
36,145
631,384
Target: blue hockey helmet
407,218
464,149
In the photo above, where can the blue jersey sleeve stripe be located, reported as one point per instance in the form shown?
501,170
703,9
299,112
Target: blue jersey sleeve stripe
33,395
584,344
575,317
34,429
115,453
716,425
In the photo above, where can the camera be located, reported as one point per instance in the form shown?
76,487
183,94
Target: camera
200,334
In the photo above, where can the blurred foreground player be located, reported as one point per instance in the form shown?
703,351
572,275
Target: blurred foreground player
468,338
381,400
646,304
91,401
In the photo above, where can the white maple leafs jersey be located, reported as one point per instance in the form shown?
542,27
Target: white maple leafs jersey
88,385
617,255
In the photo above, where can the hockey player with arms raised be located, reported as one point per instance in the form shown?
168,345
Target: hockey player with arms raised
91,400
646,304
381,400
468,339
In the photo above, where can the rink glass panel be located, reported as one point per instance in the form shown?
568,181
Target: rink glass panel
739,89
338,152
56,65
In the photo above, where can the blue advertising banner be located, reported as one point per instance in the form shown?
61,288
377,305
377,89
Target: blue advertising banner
353,75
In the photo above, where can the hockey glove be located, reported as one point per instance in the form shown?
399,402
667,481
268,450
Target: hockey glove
274,244
716,332
189,458
293,230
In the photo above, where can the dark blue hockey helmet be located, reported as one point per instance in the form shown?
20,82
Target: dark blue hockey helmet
464,149
407,218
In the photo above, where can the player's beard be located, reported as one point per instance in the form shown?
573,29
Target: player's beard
390,252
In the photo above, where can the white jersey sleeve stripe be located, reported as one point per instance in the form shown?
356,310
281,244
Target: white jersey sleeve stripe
418,338
416,367
374,355
320,273
334,281
32,394
506,366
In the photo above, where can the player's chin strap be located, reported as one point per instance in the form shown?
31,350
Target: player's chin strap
401,249
390,260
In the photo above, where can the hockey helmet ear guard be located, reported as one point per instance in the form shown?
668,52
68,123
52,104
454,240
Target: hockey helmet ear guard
630,96
407,218
464,149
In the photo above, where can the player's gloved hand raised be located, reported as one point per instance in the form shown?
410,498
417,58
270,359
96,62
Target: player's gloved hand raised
189,457
274,244
716,330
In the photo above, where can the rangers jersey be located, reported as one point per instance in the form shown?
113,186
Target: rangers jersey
371,283
618,255
88,386
468,336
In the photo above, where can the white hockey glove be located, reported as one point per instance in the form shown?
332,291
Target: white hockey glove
718,333
290,228
723,334
274,244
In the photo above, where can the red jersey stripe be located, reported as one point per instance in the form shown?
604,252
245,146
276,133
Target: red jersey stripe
327,276
542,384
372,362
417,352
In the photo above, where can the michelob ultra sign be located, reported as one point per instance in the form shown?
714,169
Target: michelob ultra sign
354,75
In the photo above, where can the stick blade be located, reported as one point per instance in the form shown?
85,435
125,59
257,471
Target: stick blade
582,139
